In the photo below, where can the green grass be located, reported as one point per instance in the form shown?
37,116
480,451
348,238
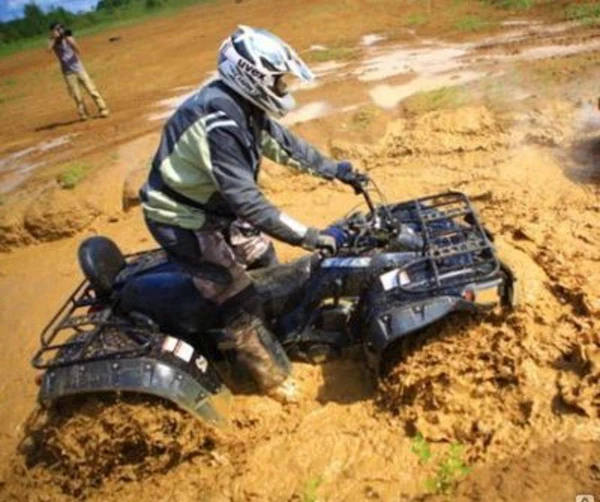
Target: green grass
9,82
333,54
448,468
472,24
510,4
72,175
124,16
417,19
446,97
588,13
420,447
310,489
6,98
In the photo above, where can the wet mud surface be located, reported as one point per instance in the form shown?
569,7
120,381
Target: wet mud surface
518,390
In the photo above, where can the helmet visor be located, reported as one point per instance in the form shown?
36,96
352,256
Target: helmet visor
299,68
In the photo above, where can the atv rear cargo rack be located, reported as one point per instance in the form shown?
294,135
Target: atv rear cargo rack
457,249
85,328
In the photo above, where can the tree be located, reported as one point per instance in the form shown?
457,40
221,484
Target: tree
35,21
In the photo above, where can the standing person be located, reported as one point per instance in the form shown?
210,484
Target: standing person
202,203
67,51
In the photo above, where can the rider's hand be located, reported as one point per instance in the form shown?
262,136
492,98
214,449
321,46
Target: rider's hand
326,242
330,239
338,233
348,175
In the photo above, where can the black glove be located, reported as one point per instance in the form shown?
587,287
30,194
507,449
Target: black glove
346,174
328,240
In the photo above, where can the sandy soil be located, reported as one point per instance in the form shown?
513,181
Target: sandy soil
519,391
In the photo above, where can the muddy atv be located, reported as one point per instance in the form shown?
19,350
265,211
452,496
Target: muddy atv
137,323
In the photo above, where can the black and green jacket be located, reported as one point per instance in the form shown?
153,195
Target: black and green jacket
205,170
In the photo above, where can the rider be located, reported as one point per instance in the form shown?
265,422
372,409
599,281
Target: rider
201,201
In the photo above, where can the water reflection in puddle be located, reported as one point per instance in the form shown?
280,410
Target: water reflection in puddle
15,169
307,112
427,60
388,96
426,66
371,39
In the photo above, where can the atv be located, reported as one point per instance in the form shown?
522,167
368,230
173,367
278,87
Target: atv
137,323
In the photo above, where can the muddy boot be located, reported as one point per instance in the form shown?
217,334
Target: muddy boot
258,351
286,393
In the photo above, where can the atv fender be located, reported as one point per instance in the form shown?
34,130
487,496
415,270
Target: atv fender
389,324
196,389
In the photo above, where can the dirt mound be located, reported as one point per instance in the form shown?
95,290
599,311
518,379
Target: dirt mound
50,215
465,383
58,213
579,381
464,130
81,444
500,385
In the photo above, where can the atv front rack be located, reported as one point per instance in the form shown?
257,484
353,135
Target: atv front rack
457,248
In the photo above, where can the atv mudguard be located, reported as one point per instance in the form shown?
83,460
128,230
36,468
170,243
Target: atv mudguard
391,323
87,348
142,375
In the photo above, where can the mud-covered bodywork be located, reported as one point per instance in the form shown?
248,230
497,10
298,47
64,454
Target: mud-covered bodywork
138,324
85,350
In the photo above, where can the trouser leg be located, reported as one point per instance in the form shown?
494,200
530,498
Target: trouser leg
251,247
90,87
206,255
72,82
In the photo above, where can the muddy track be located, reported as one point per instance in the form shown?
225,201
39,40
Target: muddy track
500,385
510,387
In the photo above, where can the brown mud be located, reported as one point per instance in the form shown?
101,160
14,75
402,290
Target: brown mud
518,390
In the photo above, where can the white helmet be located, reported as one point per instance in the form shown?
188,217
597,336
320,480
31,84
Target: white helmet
252,62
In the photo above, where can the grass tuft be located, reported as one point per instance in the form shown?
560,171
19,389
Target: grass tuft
334,54
363,118
588,13
72,175
449,472
310,489
450,467
510,4
446,97
472,24
420,447
417,19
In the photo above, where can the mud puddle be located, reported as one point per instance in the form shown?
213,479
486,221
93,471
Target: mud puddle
425,65
17,167
509,388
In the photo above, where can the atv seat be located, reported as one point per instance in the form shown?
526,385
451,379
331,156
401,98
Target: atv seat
101,261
